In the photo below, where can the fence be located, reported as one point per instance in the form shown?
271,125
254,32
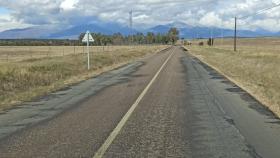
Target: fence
20,53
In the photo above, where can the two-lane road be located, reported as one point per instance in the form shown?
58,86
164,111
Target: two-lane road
165,105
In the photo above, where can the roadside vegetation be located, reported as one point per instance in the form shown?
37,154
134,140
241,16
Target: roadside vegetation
23,80
255,66
19,53
101,39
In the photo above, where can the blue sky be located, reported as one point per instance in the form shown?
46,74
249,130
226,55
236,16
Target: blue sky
147,13
4,11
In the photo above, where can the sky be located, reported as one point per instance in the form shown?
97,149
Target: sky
146,13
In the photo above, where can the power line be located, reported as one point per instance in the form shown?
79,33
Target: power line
247,16
259,12
131,25
130,20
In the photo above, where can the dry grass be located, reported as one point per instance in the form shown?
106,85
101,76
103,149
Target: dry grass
255,67
28,78
19,53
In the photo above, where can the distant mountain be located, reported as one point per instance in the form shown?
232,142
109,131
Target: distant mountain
159,29
73,32
188,31
165,28
31,32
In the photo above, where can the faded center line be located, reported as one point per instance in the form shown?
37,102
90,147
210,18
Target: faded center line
101,151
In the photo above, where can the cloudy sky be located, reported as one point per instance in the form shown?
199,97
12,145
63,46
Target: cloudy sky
146,13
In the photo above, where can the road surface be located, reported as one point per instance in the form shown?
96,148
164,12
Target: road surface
164,105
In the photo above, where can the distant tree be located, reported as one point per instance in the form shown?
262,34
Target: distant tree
159,38
107,40
81,36
100,39
173,35
165,39
150,38
139,38
118,39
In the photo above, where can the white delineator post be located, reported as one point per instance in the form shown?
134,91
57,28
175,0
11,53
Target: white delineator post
88,50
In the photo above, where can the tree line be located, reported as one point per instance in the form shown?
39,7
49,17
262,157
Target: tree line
169,37
139,38
38,42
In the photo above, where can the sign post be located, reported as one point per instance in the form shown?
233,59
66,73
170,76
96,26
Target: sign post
87,39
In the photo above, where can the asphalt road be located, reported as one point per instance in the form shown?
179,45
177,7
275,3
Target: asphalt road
165,105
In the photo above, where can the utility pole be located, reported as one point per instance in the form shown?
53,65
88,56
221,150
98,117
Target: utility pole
222,40
211,40
235,33
131,25
222,34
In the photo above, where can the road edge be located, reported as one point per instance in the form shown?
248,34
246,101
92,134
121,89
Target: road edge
240,85
78,79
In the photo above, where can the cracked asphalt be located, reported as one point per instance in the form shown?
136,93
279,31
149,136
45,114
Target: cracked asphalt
189,111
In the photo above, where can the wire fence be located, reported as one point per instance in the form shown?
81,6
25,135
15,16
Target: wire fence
21,53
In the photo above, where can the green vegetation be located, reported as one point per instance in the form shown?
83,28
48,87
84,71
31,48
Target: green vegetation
150,38
38,42
100,40
173,35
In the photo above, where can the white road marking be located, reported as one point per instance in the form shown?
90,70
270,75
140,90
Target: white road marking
101,151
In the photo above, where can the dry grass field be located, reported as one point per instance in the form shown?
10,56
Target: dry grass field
255,66
19,53
25,76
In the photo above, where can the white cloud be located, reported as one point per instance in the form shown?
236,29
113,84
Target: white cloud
211,19
268,24
7,22
147,13
68,4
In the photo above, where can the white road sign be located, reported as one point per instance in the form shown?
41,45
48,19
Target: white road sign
88,37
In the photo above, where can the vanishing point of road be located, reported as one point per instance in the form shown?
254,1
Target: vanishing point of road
164,105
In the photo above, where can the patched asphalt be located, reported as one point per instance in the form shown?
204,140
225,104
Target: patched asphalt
190,111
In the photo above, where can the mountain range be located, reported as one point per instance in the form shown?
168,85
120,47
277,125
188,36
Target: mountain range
73,32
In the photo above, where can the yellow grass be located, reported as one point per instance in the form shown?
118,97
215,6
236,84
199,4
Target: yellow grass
255,67
18,53
23,78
